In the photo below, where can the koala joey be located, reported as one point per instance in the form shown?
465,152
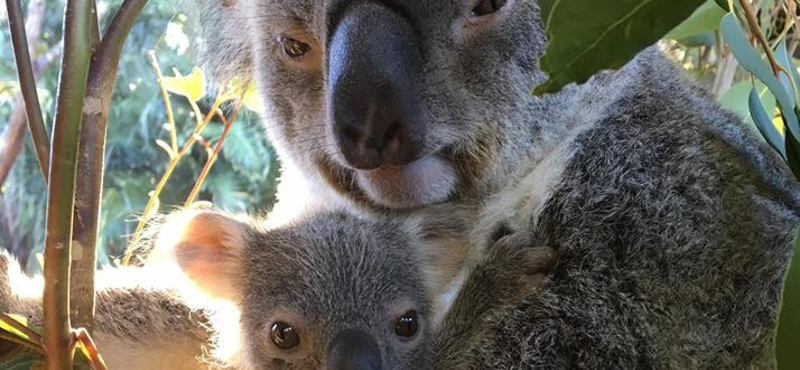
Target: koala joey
334,291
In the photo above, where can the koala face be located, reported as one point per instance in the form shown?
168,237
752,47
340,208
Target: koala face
330,292
395,103
339,298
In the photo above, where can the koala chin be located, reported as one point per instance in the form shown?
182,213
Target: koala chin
426,181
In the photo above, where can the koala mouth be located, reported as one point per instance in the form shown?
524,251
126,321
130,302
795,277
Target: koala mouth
428,180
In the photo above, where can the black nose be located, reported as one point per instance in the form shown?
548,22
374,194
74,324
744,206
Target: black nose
373,73
354,350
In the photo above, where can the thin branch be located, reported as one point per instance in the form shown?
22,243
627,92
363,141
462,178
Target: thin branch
750,15
107,57
215,154
13,138
61,189
28,84
83,337
173,131
18,121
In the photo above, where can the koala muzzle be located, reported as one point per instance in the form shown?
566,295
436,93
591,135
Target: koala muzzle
354,350
375,109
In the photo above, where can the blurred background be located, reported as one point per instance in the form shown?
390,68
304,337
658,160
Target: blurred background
242,179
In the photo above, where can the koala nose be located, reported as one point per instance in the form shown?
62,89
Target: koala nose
354,350
375,108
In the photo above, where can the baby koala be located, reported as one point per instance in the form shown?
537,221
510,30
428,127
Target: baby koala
333,291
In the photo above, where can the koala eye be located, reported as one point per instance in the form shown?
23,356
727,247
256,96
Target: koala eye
284,336
407,325
487,7
294,48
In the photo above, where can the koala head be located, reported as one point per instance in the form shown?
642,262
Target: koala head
394,103
328,292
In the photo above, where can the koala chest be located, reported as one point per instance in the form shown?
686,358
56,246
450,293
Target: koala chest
515,208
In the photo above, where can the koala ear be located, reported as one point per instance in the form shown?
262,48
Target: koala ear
208,248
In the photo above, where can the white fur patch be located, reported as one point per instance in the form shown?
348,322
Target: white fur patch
427,181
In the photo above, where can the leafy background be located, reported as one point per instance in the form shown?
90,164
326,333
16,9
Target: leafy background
243,179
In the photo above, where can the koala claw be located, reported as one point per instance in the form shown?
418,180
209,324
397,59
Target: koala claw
519,266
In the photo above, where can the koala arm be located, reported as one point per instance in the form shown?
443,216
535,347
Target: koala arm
138,326
513,269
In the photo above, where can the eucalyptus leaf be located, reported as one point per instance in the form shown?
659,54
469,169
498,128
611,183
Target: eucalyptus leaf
193,86
586,36
783,59
704,20
763,122
788,333
793,154
751,60
706,39
787,62
736,100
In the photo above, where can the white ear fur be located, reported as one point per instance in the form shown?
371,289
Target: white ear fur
208,247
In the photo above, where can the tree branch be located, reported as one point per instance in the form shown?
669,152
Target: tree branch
28,83
89,186
61,189
16,124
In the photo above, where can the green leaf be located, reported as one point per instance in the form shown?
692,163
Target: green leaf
763,121
704,20
192,86
793,154
586,36
22,362
706,39
787,337
782,57
9,329
751,60
723,4
736,99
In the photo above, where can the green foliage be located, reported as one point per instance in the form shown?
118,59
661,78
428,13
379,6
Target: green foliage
788,334
586,36
737,99
245,173
704,20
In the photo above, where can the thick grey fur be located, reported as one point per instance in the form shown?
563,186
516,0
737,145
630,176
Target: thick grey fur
138,327
328,273
672,220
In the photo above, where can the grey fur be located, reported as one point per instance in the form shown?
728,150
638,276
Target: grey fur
330,273
138,326
323,275
673,221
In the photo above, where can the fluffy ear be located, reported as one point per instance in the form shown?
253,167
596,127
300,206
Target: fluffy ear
208,248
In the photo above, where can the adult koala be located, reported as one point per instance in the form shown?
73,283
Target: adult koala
672,221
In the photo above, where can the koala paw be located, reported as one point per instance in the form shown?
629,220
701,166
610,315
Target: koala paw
518,264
